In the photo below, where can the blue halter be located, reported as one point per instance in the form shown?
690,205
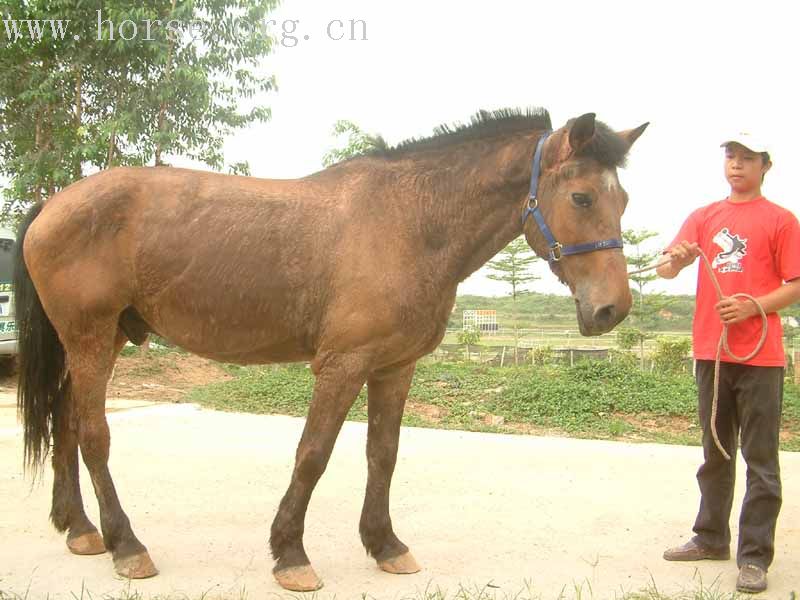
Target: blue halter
556,250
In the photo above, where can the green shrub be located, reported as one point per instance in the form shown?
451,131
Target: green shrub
628,337
624,357
543,355
670,354
469,336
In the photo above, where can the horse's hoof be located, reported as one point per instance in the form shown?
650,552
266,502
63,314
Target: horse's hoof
298,579
405,564
86,544
138,566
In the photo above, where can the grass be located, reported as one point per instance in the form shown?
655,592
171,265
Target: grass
488,591
593,399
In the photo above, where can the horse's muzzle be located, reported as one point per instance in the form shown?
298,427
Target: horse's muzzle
596,320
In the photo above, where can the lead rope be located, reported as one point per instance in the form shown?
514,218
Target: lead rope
723,340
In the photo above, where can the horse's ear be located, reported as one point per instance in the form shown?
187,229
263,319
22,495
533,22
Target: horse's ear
581,132
631,135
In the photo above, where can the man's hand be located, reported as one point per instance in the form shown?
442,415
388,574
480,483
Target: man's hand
684,254
734,310
681,255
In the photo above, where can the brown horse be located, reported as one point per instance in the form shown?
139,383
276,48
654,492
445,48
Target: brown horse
353,268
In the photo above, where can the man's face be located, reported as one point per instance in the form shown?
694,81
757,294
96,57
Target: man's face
744,169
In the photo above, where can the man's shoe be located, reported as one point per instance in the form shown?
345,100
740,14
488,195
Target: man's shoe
691,550
752,579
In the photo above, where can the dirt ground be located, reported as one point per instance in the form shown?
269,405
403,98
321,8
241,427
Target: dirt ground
162,377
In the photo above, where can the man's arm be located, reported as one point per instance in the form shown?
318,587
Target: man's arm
733,310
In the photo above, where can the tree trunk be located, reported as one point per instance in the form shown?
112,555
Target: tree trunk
641,352
76,168
112,143
796,369
37,142
162,110
112,139
516,323
641,325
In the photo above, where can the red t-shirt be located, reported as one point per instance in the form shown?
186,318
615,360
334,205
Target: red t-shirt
753,248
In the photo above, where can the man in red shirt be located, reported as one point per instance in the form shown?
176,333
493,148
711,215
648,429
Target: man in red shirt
754,247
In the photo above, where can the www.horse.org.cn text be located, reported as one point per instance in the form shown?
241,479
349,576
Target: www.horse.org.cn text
286,32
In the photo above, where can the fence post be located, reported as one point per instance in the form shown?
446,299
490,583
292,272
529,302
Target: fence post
794,363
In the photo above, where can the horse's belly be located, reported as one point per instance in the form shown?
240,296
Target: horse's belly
280,352
241,331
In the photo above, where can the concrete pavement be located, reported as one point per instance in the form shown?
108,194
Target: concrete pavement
201,488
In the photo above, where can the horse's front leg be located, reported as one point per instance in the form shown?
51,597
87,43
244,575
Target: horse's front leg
387,398
340,377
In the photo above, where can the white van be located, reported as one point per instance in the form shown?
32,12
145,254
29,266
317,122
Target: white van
8,326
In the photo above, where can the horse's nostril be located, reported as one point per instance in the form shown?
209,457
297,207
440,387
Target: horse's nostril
605,316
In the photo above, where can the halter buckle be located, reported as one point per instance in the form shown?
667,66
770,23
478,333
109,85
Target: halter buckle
555,252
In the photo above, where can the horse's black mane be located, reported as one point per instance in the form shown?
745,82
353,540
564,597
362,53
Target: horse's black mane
606,147
481,125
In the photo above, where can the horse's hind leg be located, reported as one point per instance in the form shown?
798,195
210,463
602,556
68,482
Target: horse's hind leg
90,356
339,379
387,398
67,513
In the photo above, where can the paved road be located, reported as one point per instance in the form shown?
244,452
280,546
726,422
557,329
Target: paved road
201,488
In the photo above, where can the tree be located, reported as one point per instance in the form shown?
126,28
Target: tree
512,266
646,308
640,259
469,337
165,78
358,143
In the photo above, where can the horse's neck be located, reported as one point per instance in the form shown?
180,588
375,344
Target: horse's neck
473,211
481,235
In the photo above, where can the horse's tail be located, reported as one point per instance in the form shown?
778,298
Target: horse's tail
43,381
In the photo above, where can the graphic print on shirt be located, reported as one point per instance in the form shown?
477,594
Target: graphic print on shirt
734,249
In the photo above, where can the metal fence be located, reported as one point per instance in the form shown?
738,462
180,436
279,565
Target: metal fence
566,347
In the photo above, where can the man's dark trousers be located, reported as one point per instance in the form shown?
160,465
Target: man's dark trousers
750,401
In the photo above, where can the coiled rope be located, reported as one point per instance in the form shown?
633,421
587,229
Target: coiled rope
722,344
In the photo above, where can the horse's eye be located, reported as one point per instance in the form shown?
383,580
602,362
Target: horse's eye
582,200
